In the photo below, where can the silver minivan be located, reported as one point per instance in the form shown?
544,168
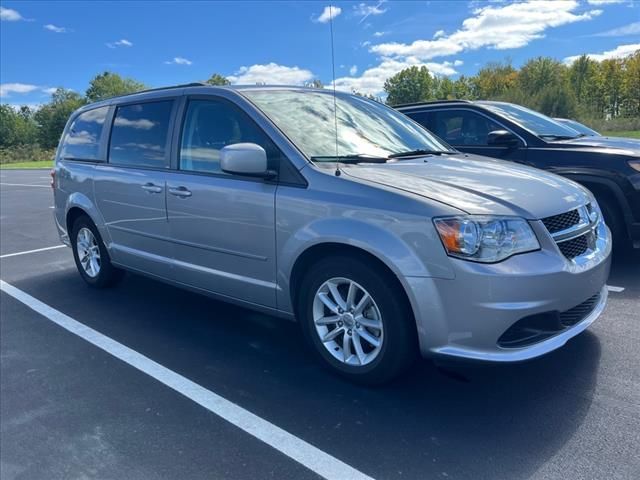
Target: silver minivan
380,239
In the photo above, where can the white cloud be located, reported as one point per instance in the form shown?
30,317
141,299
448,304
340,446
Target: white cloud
438,34
179,61
8,15
353,70
140,124
6,89
18,106
631,29
502,27
379,34
618,52
10,89
119,43
372,80
54,28
366,10
329,13
271,73
604,2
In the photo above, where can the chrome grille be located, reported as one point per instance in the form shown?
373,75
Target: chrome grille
557,223
573,231
575,247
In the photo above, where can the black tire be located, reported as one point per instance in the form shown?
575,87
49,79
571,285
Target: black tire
615,221
399,346
108,275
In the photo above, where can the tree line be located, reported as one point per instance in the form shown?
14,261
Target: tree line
587,90
597,93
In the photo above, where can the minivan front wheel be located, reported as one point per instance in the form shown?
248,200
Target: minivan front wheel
91,256
357,319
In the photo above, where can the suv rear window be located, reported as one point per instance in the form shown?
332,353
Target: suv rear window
82,141
139,135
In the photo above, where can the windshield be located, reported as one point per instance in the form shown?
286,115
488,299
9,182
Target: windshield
365,127
578,127
535,122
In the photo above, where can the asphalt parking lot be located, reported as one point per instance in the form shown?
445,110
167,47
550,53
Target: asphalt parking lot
71,410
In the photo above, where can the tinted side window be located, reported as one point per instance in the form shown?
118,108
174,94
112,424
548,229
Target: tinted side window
139,134
211,125
82,140
463,127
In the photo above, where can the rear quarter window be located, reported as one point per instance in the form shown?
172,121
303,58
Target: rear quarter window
82,140
139,135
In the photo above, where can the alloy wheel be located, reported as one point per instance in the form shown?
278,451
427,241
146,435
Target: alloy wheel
88,252
348,321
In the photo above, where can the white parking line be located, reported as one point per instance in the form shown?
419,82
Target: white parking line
24,185
611,288
7,255
295,448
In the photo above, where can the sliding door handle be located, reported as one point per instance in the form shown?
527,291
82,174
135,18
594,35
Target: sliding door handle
182,192
151,188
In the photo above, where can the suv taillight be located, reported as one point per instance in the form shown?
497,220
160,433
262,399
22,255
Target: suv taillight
53,177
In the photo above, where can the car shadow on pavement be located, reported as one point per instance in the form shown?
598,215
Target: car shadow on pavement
467,420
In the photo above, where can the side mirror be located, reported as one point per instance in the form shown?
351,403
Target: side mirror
245,159
502,138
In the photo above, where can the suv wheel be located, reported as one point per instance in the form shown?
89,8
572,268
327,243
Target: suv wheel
91,256
615,222
357,320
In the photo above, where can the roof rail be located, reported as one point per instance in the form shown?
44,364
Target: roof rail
170,87
430,102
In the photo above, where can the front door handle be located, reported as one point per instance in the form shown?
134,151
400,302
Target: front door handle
182,192
151,188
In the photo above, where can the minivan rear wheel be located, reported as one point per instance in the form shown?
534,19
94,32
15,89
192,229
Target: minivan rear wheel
91,256
357,319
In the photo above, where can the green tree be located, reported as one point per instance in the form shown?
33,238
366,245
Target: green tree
52,117
463,88
539,73
107,84
217,79
17,127
494,80
413,84
631,85
611,80
315,83
444,89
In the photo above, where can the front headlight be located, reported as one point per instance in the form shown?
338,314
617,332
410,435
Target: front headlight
483,238
635,164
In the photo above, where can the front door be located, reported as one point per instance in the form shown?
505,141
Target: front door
468,132
222,226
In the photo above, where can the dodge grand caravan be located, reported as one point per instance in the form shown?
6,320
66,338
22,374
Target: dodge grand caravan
379,238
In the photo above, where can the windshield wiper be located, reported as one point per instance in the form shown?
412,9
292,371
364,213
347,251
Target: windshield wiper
351,158
415,153
561,137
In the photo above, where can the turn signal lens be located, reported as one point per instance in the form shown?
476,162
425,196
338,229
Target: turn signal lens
483,238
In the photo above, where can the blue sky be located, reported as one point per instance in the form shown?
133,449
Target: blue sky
50,44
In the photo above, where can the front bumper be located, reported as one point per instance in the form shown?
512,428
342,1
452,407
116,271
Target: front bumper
466,316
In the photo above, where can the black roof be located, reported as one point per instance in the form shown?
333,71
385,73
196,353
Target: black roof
430,102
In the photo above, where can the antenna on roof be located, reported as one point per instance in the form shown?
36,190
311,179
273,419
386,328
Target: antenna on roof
333,74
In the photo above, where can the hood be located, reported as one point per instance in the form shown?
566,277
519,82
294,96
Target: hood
477,185
622,146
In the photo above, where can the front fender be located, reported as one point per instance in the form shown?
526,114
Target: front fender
405,254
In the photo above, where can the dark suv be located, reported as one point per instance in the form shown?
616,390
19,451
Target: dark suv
609,167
